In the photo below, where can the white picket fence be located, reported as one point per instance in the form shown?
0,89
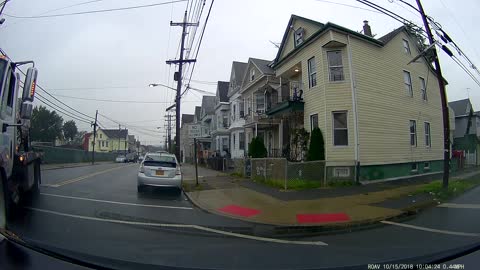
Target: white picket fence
471,158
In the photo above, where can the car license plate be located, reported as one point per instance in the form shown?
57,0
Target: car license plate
158,172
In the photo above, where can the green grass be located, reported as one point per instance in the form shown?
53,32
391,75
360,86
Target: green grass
236,174
455,188
295,184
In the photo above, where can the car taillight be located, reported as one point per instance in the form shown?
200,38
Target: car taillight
178,171
142,169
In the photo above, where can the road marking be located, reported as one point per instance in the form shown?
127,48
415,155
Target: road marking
459,205
189,226
115,202
70,181
430,230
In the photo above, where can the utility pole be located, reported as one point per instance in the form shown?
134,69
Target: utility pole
94,136
126,139
443,97
178,77
119,131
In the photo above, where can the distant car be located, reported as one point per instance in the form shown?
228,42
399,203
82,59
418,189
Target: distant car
120,159
159,170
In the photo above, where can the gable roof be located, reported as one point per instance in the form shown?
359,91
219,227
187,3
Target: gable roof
323,28
287,30
198,111
389,36
187,118
115,133
263,66
461,107
239,69
208,105
222,91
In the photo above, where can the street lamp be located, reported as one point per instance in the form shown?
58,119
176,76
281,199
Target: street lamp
159,84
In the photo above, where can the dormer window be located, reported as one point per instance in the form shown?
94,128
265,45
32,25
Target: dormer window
252,75
298,36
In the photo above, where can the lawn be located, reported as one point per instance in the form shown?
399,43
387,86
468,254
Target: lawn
300,184
455,188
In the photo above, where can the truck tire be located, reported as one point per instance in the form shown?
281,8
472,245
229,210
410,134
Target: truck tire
11,199
37,175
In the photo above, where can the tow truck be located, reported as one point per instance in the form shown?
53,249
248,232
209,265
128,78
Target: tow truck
20,175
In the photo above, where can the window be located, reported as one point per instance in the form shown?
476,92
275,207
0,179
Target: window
100,136
335,66
7,99
312,72
225,121
249,105
340,129
423,89
225,144
406,46
428,139
106,144
234,140
103,144
241,139
341,172
413,133
252,74
11,91
313,121
414,167
426,166
260,101
242,109
234,112
408,83
298,36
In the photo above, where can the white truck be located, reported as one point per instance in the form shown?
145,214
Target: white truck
20,175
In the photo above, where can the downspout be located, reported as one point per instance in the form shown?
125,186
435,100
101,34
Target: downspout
355,112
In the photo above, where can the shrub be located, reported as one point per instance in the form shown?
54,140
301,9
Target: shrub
316,150
256,148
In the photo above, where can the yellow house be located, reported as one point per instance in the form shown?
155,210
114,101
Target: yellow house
375,109
110,140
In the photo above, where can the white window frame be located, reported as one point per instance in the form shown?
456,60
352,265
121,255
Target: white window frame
334,129
331,67
252,74
341,172
428,134
423,88
311,123
426,165
312,72
406,46
409,84
416,167
259,94
414,133
240,135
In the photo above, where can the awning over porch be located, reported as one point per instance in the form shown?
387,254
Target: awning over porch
286,107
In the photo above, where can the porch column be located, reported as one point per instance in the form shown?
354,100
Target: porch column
256,129
280,135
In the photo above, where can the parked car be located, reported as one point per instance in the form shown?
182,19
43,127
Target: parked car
159,170
120,159
130,157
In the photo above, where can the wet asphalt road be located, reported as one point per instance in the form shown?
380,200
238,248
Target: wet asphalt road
95,213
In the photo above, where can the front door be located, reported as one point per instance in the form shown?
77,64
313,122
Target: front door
8,90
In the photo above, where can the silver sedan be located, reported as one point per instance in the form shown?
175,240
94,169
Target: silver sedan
159,170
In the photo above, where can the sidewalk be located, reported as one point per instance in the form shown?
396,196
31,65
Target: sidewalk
46,167
342,207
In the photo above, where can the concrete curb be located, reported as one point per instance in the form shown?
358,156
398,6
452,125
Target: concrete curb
287,231
73,166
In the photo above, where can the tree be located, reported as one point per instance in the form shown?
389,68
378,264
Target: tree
316,150
78,139
46,126
70,130
256,148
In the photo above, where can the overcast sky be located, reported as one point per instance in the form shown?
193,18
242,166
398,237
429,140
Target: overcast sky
129,48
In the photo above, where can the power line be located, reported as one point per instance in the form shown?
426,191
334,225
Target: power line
200,41
346,5
116,101
62,109
62,112
93,11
